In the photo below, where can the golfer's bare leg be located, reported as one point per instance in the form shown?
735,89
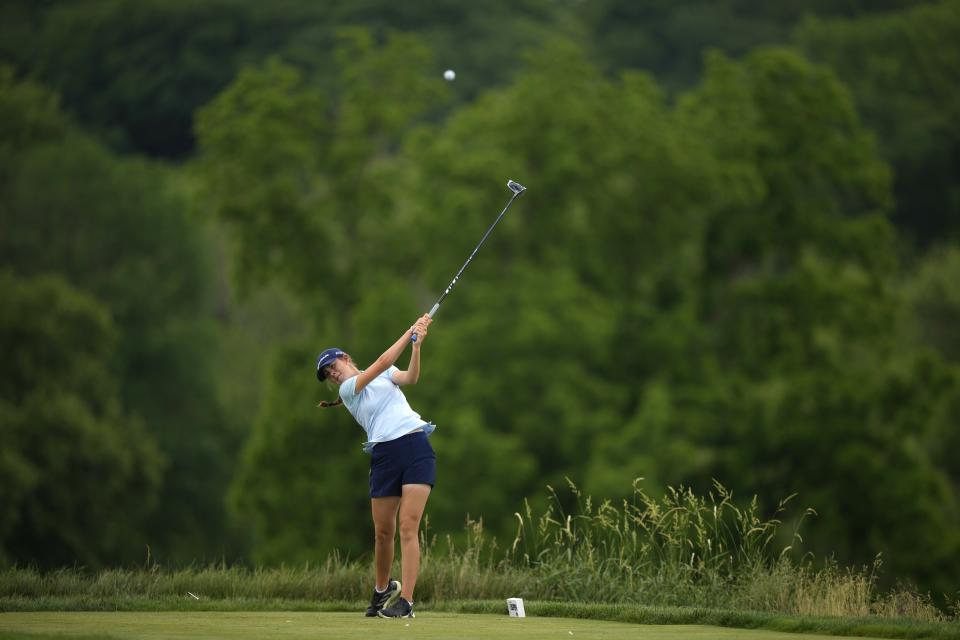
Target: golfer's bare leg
412,503
384,531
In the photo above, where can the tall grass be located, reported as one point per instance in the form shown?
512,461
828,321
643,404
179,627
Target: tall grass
694,550
683,550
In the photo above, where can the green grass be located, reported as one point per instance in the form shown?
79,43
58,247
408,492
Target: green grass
683,551
680,560
628,613
294,625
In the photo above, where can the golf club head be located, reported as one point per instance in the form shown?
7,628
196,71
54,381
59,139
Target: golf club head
516,187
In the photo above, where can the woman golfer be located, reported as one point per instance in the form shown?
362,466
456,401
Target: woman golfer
402,466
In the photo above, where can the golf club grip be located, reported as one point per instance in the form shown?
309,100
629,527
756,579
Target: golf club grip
413,336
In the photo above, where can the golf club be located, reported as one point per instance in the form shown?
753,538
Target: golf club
517,189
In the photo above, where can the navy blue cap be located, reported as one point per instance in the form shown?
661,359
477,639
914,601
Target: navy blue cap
326,357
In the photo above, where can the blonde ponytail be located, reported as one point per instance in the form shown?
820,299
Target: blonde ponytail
325,405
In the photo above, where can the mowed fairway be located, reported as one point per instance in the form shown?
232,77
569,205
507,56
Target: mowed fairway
427,625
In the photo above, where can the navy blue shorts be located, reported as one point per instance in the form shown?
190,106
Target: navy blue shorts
407,460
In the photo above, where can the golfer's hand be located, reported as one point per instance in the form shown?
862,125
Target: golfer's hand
420,327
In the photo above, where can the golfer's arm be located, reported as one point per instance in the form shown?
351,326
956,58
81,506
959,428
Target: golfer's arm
384,362
412,374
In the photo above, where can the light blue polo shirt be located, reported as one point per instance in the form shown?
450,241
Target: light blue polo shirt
381,409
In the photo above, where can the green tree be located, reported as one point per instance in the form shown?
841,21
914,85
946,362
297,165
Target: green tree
934,301
933,315
20,25
135,71
114,229
588,292
524,354
79,474
812,391
300,483
299,173
901,67
29,115
669,38
683,293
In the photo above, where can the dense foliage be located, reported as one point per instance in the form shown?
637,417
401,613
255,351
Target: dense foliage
736,260
111,228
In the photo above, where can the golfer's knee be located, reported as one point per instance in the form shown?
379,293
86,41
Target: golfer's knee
384,535
409,529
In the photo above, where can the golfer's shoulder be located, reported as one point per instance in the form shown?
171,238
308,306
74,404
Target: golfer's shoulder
348,388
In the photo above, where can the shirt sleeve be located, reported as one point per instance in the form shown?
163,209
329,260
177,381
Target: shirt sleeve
390,371
348,389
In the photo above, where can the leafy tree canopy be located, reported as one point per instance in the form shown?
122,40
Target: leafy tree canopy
113,229
79,475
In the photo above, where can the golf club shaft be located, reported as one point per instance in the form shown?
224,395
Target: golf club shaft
517,189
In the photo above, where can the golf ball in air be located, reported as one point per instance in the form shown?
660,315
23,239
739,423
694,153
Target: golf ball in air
449,74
